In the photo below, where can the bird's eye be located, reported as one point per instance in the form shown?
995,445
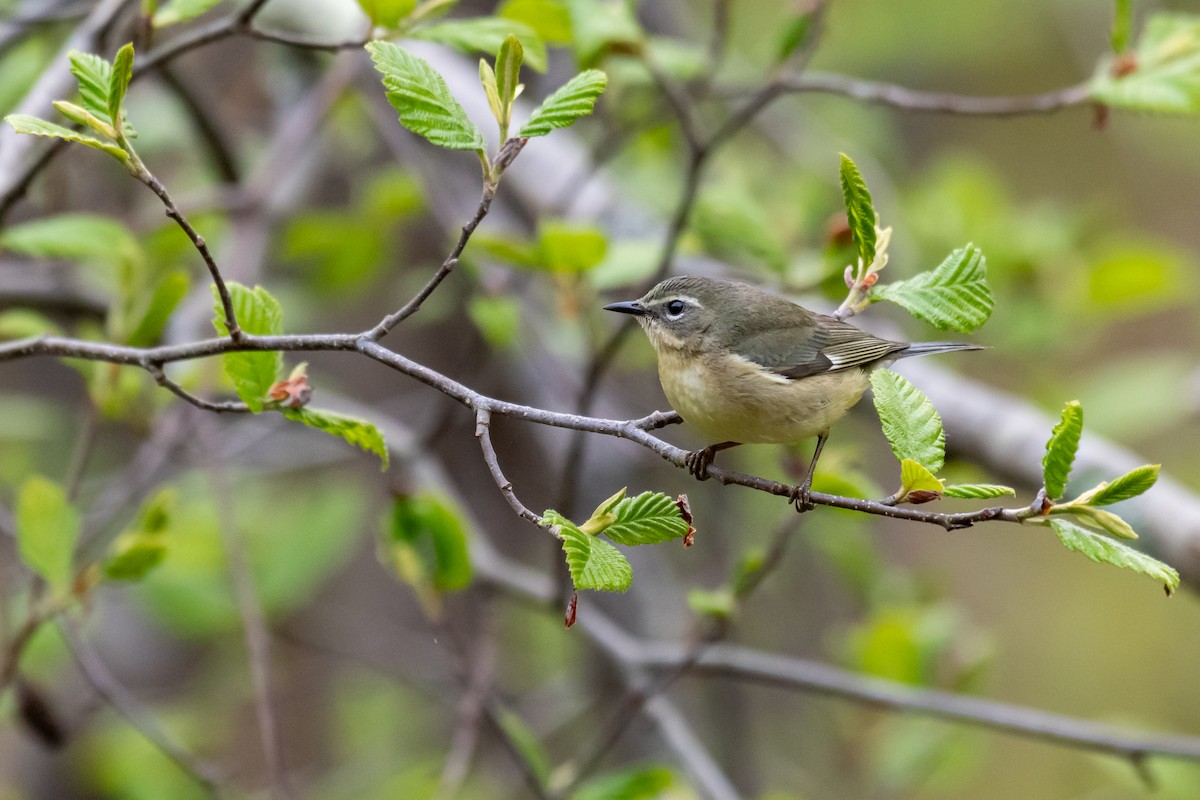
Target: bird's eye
675,309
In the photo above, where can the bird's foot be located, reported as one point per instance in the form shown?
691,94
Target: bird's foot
697,462
800,497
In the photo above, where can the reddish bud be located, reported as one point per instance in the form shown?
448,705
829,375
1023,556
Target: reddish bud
295,392
689,538
870,280
1124,64
572,605
685,508
922,496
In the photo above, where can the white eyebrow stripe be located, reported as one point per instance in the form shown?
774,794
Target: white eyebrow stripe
691,301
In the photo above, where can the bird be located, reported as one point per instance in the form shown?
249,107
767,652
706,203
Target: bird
745,366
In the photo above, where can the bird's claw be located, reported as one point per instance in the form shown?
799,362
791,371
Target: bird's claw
697,462
800,497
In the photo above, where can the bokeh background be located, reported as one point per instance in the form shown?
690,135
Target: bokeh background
307,185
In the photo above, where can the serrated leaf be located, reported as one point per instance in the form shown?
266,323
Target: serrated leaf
508,74
1131,484
485,35
650,517
1162,74
977,491
122,73
387,13
955,294
860,213
94,75
423,100
47,528
593,563
358,432
177,11
574,99
910,422
259,314
1061,449
1104,550
1099,518
23,123
916,478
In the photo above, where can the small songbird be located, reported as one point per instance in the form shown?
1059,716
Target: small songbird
749,367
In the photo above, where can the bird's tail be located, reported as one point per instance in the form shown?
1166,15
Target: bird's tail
929,348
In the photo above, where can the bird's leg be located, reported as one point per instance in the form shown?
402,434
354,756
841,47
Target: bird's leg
800,492
697,461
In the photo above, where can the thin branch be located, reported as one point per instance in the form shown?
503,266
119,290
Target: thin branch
226,407
944,102
110,689
483,432
511,149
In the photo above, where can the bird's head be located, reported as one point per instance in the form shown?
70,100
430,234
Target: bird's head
678,313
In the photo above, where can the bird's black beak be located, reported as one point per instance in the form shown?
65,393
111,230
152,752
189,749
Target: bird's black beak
627,307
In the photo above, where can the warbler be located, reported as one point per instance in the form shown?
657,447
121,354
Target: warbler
745,366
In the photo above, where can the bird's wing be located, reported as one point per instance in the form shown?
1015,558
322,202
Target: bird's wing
824,344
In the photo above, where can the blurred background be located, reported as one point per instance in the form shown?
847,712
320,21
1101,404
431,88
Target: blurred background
398,670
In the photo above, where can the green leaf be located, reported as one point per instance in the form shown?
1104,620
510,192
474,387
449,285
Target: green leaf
859,211
574,99
81,116
23,123
569,248
143,546
177,11
95,77
508,73
497,317
87,238
978,491
1131,484
1122,25
1163,72
259,314
910,422
603,27
548,18
149,322
487,78
387,13
648,518
431,529
1103,550
122,73
915,478
423,100
21,323
795,33
1099,518
357,432
717,603
1061,449
593,563
955,294
485,35
47,530
526,742
637,783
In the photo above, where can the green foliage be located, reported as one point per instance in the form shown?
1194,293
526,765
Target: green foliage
154,308
1163,73
143,546
88,238
387,13
47,530
95,77
259,314
1061,449
498,318
715,603
508,77
572,100
1131,484
122,73
358,432
485,35
733,224
910,422
526,743
570,248
420,95
603,27
977,491
21,323
425,543
646,519
954,295
916,478
547,18
176,11
860,213
1106,521
1122,25
23,123
593,562
649,782
1103,550
795,34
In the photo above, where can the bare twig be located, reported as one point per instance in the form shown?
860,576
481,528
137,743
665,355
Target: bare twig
483,432
117,696
229,406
